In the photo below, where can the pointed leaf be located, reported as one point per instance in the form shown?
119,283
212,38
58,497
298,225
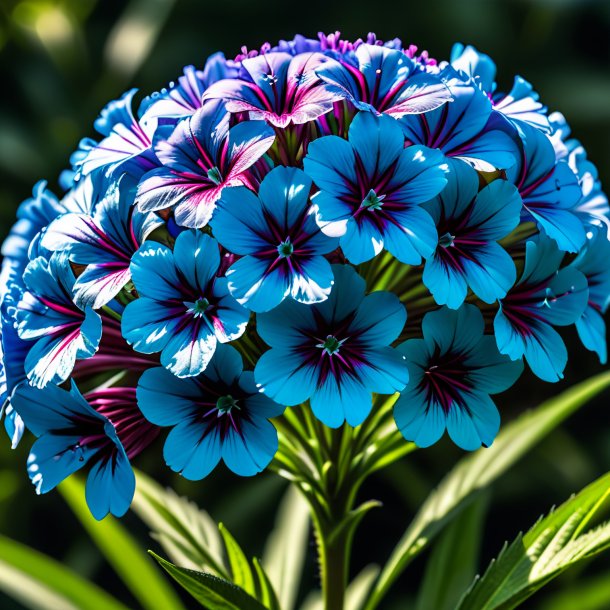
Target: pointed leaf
286,547
266,594
241,572
477,471
188,535
122,552
42,583
551,546
211,592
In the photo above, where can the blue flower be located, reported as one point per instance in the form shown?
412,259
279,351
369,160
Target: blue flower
200,158
218,414
593,263
184,309
549,189
371,187
72,435
467,128
60,331
278,88
281,244
126,146
452,372
104,241
520,104
334,353
385,81
545,296
469,224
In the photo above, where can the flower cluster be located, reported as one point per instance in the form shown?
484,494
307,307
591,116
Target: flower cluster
253,237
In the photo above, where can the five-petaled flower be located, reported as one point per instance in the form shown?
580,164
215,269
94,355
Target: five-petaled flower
335,353
183,309
371,188
281,244
218,414
452,372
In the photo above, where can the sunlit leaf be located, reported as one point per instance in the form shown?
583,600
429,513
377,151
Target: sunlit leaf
551,546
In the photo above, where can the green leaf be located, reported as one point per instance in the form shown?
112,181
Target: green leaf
551,546
187,534
210,591
357,591
267,595
348,525
477,471
287,546
42,583
454,560
241,571
124,554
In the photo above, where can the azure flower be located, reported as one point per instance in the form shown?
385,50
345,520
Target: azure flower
469,223
549,190
520,104
60,331
183,309
371,188
220,414
277,236
72,435
592,262
452,372
183,98
545,296
127,142
278,88
385,81
467,128
200,158
335,353
104,241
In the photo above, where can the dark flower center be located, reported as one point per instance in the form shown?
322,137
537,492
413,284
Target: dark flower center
225,404
285,249
446,240
446,380
372,201
331,345
215,176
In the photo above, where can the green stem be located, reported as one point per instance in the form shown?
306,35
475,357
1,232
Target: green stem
334,564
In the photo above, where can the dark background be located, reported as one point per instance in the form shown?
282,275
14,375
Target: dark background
60,62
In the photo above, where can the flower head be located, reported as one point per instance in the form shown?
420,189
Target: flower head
277,236
452,372
335,353
183,309
371,188
545,296
277,88
385,81
469,223
217,415
200,158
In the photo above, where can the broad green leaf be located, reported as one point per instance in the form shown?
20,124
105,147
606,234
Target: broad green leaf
241,571
122,552
210,591
551,546
188,535
42,583
287,546
454,560
477,471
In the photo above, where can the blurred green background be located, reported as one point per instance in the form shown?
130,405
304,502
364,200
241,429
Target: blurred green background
60,62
